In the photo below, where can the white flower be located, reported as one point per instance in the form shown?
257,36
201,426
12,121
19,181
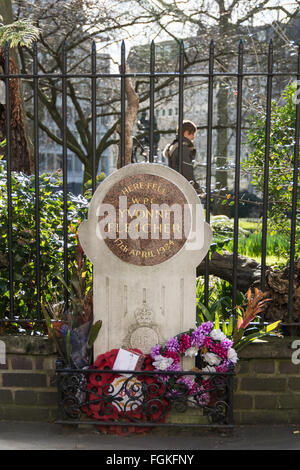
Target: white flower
191,352
232,355
162,363
208,369
212,359
217,335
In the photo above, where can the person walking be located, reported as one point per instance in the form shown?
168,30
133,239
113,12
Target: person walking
171,152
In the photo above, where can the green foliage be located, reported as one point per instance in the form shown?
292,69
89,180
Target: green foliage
220,300
277,244
223,229
249,239
24,243
20,33
242,337
234,321
282,141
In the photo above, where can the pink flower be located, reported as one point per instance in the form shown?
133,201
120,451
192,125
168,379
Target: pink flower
223,367
174,355
208,342
219,350
185,343
226,343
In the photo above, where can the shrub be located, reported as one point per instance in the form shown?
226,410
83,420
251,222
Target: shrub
24,239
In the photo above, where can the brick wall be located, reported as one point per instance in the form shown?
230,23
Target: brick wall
266,390
267,384
27,381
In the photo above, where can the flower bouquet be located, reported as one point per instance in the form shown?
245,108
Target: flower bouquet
211,345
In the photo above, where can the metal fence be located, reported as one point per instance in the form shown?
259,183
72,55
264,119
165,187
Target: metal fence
151,76
139,400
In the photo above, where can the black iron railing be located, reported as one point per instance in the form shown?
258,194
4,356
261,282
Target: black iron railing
181,74
142,399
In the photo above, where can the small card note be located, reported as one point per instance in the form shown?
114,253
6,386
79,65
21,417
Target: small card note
127,360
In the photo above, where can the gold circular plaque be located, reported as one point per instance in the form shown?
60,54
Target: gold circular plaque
144,219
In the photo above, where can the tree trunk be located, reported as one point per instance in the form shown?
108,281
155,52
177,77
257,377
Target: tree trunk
222,113
249,275
20,145
277,286
130,118
222,149
248,270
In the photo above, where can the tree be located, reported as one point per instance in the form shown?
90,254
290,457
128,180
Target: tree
282,142
19,33
226,22
69,28
78,23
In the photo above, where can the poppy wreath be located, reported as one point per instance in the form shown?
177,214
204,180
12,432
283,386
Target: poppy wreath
115,398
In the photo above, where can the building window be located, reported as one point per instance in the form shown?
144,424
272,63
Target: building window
170,112
163,112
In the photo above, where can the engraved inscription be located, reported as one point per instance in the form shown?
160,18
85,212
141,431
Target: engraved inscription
149,222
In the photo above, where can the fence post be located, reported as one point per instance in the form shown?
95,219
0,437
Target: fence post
209,159
266,165
237,170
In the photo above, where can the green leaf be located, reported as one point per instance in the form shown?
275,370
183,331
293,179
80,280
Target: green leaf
230,327
51,329
257,335
94,333
217,321
68,346
208,315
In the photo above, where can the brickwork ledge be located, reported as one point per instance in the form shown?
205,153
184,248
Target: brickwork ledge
31,345
271,347
274,347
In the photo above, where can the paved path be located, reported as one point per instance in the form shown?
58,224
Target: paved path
43,436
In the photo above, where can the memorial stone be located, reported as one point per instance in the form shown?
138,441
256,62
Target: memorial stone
145,236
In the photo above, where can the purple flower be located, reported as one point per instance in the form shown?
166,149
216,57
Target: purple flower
176,367
226,343
187,381
200,395
223,367
197,338
172,344
64,330
206,327
163,378
155,351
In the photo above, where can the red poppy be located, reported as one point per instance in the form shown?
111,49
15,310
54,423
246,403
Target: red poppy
109,398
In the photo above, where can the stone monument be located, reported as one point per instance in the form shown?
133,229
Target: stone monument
145,236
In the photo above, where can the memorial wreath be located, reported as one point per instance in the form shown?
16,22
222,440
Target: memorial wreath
146,398
215,351
124,398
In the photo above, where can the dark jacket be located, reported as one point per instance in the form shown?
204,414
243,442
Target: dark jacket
171,151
